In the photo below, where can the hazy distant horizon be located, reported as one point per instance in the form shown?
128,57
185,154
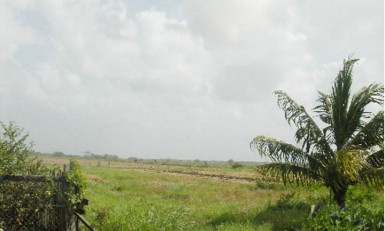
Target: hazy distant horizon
86,156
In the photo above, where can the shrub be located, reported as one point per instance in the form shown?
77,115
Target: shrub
28,201
76,184
15,152
357,217
236,165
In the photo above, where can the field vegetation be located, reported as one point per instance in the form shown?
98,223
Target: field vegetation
198,195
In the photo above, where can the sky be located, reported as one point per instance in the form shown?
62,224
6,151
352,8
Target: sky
187,79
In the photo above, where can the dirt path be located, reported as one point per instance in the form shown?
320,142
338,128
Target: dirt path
217,176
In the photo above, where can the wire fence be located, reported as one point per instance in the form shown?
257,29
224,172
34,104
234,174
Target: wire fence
37,203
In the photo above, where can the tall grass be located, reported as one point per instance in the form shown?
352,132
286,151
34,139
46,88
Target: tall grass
134,200
143,197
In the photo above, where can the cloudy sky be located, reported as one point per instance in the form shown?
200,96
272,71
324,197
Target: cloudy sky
188,79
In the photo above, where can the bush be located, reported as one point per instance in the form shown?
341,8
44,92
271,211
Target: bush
76,184
33,202
357,217
236,165
15,152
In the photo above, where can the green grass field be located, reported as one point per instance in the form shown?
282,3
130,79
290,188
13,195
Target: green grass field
166,195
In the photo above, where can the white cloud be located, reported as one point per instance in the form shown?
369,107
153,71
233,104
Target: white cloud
251,43
140,79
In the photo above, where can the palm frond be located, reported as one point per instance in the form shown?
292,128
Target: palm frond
279,151
374,173
340,96
374,93
308,134
376,156
324,109
371,133
290,173
372,176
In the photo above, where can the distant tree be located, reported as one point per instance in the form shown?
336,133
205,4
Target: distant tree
134,159
58,154
110,157
15,151
237,165
348,150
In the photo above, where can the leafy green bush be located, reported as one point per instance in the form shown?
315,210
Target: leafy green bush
357,217
76,184
237,165
30,196
15,152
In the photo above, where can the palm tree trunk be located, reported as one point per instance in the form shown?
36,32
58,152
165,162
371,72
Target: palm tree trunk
340,196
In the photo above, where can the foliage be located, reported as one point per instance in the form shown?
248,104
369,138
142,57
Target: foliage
15,152
185,202
101,157
287,213
348,150
143,219
31,200
76,186
22,203
237,165
124,192
357,217
269,185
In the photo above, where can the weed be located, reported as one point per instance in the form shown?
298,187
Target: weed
357,217
269,185
129,197
287,213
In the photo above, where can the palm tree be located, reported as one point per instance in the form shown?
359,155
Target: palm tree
348,149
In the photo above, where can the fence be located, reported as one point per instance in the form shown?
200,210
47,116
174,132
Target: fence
38,203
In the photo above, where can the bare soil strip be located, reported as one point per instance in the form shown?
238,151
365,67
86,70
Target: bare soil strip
217,176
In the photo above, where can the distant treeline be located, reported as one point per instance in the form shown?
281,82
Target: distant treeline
86,155
168,161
